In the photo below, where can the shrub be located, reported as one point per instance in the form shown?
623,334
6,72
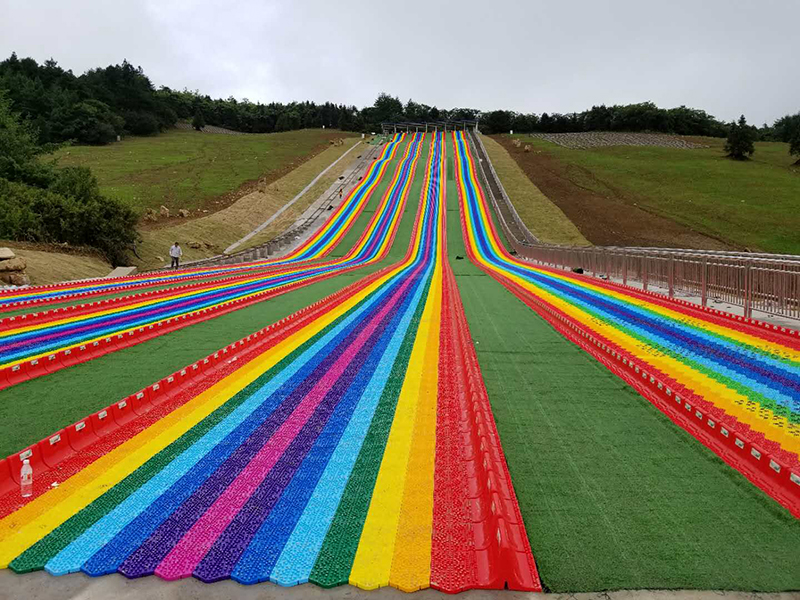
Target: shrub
198,122
794,145
87,122
740,144
65,213
41,203
141,123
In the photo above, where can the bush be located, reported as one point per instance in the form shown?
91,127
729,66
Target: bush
141,123
794,145
71,211
87,122
740,144
198,122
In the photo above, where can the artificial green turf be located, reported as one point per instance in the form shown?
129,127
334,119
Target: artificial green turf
613,494
182,168
754,202
35,409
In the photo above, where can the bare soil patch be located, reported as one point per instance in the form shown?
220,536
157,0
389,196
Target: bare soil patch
608,217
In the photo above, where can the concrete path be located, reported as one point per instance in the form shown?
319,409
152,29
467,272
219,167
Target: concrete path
42,586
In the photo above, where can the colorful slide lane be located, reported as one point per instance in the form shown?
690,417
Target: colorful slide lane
734,386
317,246
358,448
34,348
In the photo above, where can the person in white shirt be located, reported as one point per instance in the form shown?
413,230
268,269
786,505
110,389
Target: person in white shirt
175,252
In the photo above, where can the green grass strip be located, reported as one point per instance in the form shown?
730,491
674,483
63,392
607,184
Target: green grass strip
613,494
335,559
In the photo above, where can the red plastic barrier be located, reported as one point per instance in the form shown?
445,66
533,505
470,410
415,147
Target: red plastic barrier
103,422
81,434
7,483
56,448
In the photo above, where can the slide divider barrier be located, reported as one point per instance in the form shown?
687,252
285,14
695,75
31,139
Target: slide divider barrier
57,456
478,538
772,469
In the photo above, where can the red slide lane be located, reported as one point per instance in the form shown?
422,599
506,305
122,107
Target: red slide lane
479,538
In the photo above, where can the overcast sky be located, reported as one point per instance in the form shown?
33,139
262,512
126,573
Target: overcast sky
725,56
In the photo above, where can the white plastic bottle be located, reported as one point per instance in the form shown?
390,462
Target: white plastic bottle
26,479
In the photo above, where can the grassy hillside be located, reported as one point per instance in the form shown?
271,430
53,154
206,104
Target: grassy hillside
701,195
217,230
543,218
192,170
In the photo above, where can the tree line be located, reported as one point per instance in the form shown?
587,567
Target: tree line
99,105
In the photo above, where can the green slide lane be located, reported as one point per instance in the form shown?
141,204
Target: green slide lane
613,494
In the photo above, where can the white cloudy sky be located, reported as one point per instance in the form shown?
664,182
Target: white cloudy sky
725,56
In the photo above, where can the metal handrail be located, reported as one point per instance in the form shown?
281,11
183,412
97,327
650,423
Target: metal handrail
753,281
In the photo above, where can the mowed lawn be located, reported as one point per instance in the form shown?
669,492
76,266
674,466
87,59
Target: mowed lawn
754,203
184,169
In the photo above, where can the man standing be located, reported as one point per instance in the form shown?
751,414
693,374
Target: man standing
175,252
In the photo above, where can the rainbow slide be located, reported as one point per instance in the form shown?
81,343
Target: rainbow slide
354,443
733,385
317,246
39,345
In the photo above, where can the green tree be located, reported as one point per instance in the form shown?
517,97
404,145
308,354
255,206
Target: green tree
198,122
87,122
740,144
20,150
497,121
794,146
41,203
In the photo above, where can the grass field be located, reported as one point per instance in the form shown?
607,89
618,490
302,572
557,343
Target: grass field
753,204
186,169
614,496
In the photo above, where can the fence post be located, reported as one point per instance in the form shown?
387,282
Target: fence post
748,290
624,267
704,283
671,275
644,272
